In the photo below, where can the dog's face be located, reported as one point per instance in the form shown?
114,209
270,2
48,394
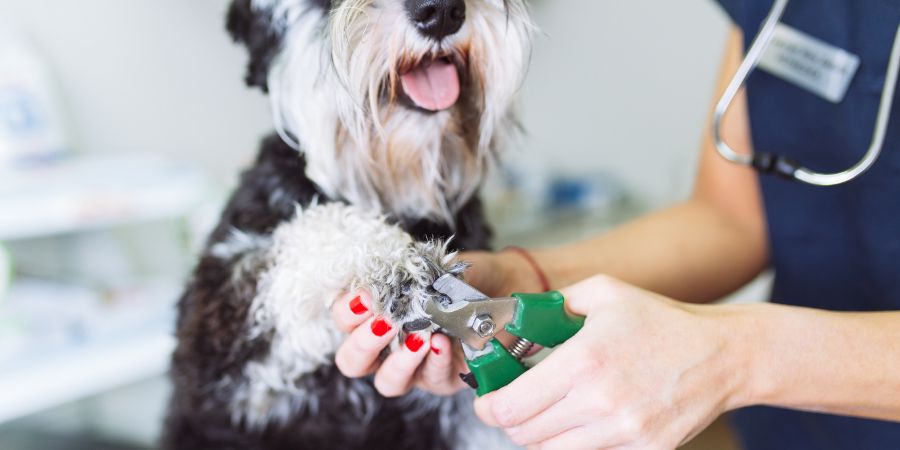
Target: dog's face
398,105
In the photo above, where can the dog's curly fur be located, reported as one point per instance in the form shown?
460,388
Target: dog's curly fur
254,367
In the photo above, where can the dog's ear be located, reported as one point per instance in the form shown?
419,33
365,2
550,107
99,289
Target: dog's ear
255,28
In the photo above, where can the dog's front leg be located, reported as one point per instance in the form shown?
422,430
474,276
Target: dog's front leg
324,251
276,291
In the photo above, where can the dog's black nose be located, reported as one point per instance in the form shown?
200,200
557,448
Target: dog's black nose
437,19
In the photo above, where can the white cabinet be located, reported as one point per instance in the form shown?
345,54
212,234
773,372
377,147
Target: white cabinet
84,312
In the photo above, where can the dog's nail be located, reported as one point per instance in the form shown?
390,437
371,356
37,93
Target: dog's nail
356,305
414,342
435,350
380,327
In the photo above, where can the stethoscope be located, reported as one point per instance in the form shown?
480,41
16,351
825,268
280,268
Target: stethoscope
774,164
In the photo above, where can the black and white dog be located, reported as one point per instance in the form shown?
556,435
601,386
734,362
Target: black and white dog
388,113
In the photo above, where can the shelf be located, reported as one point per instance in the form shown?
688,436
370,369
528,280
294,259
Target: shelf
60,343
95,191
70,374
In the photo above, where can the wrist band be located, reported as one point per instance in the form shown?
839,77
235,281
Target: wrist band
542,277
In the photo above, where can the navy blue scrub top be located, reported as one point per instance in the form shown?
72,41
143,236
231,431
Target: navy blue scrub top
835,248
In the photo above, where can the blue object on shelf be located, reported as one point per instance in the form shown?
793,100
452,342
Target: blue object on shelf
32,127
584,192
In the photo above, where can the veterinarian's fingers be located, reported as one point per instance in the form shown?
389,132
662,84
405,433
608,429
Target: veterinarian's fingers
397,373
351,310
528,395
440,374
358,355
557,419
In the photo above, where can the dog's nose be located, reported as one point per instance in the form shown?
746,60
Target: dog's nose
437,19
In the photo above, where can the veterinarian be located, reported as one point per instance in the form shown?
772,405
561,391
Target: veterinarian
819,368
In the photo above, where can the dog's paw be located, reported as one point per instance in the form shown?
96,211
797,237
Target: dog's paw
401,296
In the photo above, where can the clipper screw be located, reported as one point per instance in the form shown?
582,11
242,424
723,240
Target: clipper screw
484,325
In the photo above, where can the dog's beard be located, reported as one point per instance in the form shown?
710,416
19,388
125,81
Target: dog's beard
335,91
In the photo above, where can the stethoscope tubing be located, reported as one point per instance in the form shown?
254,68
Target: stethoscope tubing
769,163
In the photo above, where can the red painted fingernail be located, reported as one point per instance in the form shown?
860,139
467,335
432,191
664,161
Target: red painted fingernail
414,342
380,327
436,350
356,305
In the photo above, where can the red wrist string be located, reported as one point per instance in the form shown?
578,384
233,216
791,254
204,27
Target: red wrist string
542,277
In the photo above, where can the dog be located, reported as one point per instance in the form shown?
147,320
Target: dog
388,114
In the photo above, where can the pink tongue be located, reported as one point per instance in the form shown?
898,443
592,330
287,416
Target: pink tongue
435,87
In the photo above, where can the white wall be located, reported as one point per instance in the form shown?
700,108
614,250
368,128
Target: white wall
618,85
623,86
148,75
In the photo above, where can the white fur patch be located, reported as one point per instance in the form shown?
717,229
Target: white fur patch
325,250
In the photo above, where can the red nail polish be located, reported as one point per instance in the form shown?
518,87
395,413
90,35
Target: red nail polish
356,305
414,342
380,327
436,350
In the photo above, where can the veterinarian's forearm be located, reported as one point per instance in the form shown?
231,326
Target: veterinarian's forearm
699,250
841,363
690,252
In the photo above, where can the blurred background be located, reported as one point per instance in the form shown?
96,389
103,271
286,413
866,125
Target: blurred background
124,125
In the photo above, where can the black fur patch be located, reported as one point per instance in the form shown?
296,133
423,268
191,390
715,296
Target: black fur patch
255,29
325,5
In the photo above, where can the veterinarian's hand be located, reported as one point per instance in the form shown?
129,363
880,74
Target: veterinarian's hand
426,360
645,372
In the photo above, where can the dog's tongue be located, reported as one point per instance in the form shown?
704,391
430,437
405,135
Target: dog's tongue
434,86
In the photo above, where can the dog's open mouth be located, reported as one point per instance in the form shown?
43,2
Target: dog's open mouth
433,84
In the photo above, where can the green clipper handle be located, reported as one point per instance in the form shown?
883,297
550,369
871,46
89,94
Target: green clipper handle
539,318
